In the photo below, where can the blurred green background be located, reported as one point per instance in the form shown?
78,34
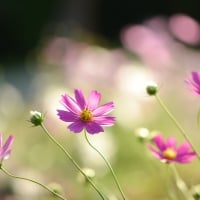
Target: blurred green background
48,48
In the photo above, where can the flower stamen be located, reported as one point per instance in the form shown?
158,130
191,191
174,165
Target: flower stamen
86,115
170,154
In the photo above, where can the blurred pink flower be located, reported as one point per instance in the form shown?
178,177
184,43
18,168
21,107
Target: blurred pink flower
152,46
194,84
185,28
5,149
168,151
86,113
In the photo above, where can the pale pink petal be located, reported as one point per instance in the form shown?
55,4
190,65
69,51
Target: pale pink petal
155,152
5,155
93,100
104,109
6,149
70,104
8,143
105,120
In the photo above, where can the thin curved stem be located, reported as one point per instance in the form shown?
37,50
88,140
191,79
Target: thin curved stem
72,160
33,181
181,185
177,124
108,165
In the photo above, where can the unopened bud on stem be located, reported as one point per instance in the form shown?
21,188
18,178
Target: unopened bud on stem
152,89
36,118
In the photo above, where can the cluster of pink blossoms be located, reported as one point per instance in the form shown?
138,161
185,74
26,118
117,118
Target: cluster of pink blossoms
87,114
167,151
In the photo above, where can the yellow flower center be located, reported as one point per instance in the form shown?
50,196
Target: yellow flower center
86,115
169,154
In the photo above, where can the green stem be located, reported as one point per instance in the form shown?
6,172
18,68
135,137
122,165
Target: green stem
33,181
180,183
108,165
177,124
72,160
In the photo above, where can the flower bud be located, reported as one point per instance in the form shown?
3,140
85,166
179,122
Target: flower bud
152,89
56,187
90,173
196,196
36,118
195,191
142,134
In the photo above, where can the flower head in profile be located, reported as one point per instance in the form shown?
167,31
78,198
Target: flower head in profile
86,113
194,83
168,152
5,149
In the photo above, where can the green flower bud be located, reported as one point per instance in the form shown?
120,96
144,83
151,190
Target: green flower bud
36,118
152,89
195,191
196,196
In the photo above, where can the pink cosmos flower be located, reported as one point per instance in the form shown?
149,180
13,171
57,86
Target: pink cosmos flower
86,114
194,84
169,152
5,149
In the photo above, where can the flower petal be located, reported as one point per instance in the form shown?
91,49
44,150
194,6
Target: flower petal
70,104
8,143
196,78
80,98
158,140
67,116
195,89
184,148
93,100
194,84
76,127
93,128
105,120
186,158
5,155
104,109
6,147
171,142
155,152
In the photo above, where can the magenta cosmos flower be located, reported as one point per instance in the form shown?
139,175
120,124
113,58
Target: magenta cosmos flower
167,151
5,149
86,114
194,83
